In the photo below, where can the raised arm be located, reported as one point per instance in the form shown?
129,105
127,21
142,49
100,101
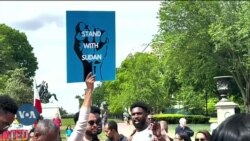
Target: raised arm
80,128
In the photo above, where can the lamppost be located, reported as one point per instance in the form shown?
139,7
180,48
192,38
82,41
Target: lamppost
223,83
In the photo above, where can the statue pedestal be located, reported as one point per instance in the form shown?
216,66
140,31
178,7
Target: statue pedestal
50,110
224,110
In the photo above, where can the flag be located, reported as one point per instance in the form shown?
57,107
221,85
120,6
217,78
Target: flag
37,101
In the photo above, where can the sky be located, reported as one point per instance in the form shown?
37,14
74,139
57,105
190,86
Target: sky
44,23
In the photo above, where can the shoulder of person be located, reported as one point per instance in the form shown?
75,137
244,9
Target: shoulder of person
123,138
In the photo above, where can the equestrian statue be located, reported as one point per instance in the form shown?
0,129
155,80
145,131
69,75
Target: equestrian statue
44,94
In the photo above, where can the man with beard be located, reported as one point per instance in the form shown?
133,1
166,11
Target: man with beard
144,131
96,111
86,126
8,109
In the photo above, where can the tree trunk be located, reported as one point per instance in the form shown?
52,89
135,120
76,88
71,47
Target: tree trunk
248,97
248,108
244,89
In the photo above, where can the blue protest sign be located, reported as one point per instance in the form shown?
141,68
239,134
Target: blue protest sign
90,45
27,114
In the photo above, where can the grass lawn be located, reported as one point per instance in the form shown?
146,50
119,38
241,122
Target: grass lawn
102,137
65,123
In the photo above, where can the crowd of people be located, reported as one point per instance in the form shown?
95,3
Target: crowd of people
88,124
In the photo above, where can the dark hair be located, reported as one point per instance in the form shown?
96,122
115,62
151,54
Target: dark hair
68,127
234,128
7,104
205,133
183,136
93,110
142,105
112,125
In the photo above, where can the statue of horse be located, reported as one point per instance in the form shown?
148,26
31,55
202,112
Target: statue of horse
44,94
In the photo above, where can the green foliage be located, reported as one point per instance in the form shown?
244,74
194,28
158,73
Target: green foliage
186,49
62,111
174,118
18,65
68,121
231,35
138,78
211,106
65,123
98,95
18,86
80,100
199,40
15,51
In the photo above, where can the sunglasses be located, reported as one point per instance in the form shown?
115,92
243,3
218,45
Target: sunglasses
200,139
92,122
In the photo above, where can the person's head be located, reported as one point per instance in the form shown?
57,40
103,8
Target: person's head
150,118
202,135
139,112
46,130
111,129
180,137
164,125
183,122
68,127
94,122
234,128
8,109
96,111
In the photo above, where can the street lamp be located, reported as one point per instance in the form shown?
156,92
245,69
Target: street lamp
223,86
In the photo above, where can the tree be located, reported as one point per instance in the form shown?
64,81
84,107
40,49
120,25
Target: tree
232,37
15,51
138,78
17,87
62,111
203,40
98,95
18,64
80,100
188,60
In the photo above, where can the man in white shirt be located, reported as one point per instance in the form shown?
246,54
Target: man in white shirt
145,131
